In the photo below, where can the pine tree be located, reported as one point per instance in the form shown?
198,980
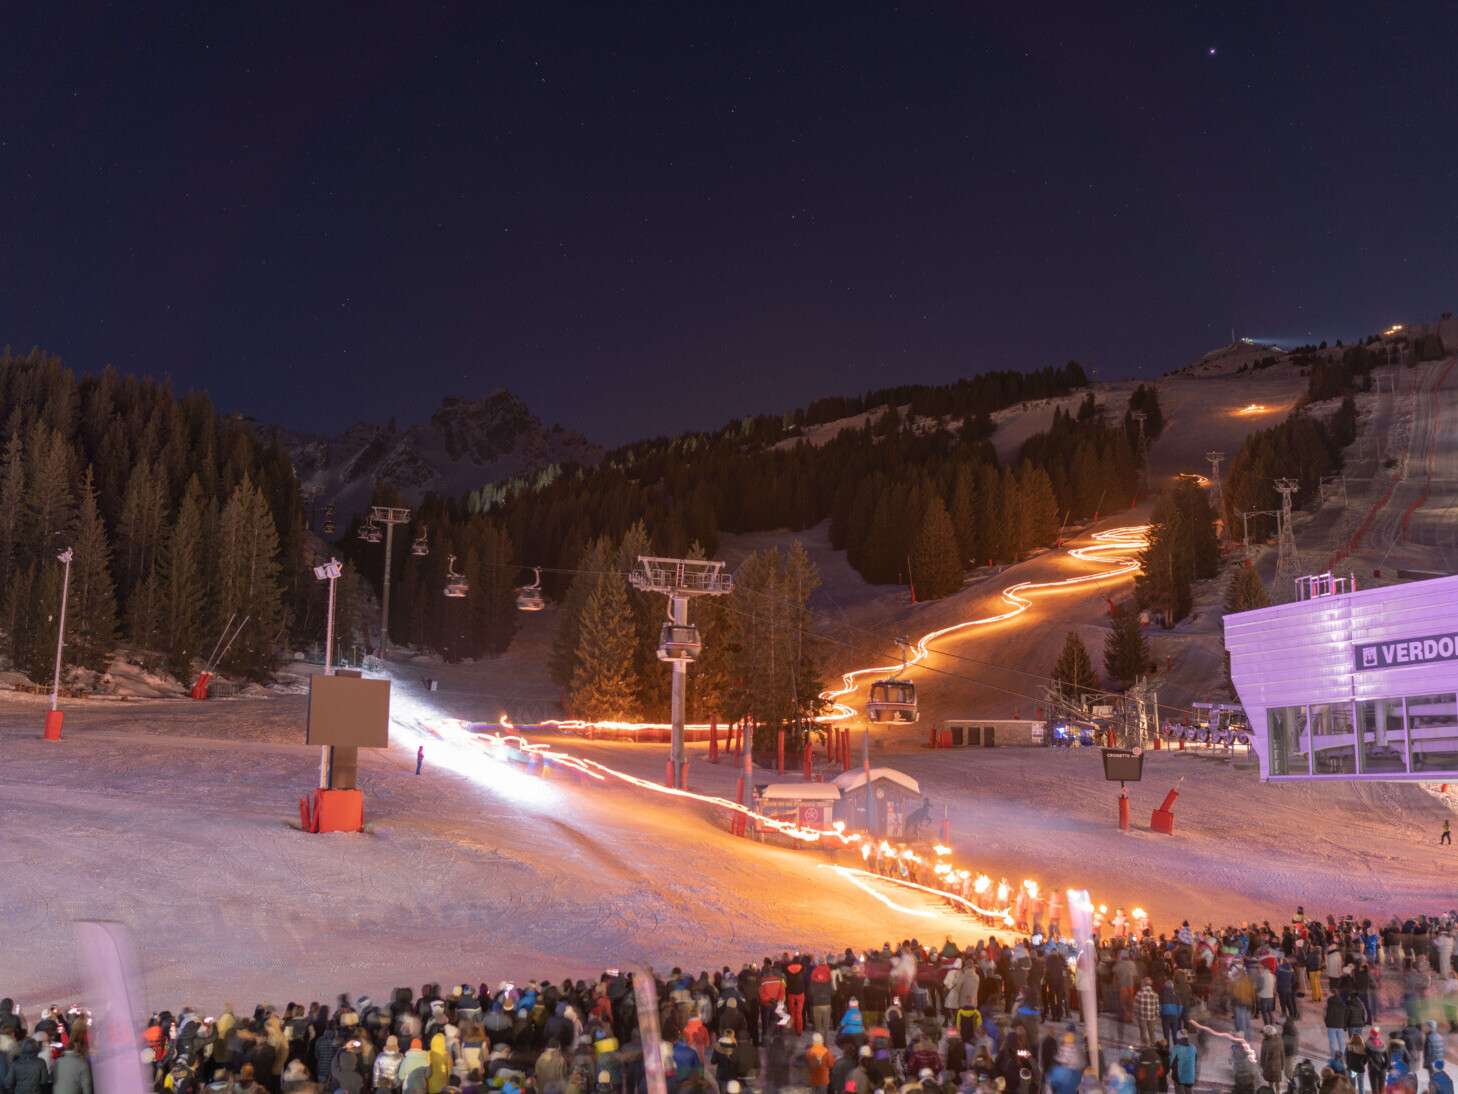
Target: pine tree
1246,592
91,624
48,506
1039,506
143,527
605,685
964,515
567,643
493,597
182,578
1126,652
935,567
248,581
1074,671
12,498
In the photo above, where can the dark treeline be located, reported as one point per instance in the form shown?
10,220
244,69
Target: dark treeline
974,395
901,495
177,518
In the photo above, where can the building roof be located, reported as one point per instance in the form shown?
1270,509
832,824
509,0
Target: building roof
857,778
801,792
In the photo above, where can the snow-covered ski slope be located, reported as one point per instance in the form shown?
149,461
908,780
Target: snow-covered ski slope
180,818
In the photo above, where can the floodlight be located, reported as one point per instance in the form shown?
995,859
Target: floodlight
330,570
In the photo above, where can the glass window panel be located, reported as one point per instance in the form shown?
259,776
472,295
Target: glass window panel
1332,738
1432,725
1383,743
1288,752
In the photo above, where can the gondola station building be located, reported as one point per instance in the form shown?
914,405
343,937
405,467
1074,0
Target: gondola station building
1351,684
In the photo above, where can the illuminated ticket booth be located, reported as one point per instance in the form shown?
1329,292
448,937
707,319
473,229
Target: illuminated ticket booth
1351,684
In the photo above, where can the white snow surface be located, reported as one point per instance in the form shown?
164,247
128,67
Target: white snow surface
180,820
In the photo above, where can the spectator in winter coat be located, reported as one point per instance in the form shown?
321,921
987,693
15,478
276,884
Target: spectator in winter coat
28,1072
851,1023
1272,1057
1440,1082
415,1065
1356,1060
1336,1024
818,1062
1432,1049
71,1074
1377,1059
386,1072
1182,1063
344,1073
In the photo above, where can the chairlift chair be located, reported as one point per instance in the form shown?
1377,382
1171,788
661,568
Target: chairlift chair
893,699
329,519
456,584
370,532
679,642
421,547
529,597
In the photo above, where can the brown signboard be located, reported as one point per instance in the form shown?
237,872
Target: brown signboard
347,710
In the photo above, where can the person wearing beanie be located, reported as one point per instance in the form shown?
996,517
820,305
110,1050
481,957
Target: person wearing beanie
818,1061
1439,1081
851,1023
414,1068
386,1072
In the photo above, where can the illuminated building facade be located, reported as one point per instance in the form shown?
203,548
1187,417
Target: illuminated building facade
1344,684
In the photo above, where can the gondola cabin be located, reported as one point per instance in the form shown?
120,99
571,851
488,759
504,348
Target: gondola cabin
679,642
529,599
457,586
892,701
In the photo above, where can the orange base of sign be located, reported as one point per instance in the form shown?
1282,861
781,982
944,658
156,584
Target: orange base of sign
332,811
53,724
1162,820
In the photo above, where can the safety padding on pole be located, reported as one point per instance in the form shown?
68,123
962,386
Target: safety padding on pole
340,811
53,724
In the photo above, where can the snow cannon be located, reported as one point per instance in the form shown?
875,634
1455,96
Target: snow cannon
200,688
1162,819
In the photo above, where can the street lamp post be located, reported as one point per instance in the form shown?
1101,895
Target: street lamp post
329,572
54,716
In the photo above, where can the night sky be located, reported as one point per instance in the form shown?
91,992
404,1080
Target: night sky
644,219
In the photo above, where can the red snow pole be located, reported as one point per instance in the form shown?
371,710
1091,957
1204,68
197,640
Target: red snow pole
1123,810
946,826
780,743
713,741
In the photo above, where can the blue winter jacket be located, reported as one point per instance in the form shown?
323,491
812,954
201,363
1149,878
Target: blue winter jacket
1182,1063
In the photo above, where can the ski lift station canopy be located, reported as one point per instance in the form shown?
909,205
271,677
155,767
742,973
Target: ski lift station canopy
1351,684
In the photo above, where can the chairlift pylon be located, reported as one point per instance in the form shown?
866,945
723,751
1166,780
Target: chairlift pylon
456,585
893,699
529,597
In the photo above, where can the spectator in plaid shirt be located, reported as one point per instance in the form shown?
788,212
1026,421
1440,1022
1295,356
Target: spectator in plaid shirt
1146,1011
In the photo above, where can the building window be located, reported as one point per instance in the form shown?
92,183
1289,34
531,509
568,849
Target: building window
1287,733
1382,736
1332,739
1432,726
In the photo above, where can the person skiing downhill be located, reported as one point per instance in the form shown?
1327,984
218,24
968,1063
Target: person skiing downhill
1447,836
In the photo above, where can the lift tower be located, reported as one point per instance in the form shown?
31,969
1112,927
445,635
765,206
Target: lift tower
679,579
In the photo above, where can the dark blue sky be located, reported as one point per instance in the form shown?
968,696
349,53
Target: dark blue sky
647,218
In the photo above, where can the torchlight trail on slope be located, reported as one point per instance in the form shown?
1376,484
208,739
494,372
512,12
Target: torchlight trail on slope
1107,549
1113,546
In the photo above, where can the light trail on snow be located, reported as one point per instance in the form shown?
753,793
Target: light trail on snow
1115,544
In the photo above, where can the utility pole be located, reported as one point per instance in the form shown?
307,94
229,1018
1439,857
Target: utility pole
382,514
679,579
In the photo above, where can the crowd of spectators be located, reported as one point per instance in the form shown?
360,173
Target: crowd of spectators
1221,1009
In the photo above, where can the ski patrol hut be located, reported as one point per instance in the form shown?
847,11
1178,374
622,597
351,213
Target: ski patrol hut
1348,684
893,795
